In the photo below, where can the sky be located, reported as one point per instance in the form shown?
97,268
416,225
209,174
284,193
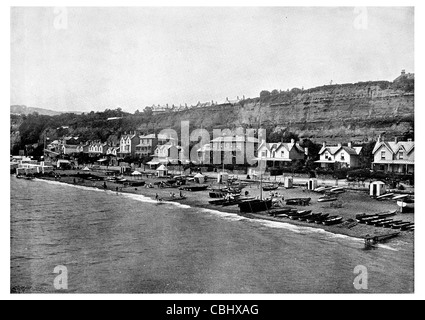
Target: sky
84,59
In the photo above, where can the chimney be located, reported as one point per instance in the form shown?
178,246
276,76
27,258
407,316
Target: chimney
292,141
339,145
350,145
396,139
324,144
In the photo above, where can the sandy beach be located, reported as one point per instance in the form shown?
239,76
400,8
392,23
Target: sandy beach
348,205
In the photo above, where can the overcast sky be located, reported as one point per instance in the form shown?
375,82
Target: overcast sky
91,59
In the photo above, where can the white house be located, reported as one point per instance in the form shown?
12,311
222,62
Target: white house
280,154
166,153
394,156
128,143
339,156
98,148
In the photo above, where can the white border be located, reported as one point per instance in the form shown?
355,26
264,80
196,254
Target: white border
5,187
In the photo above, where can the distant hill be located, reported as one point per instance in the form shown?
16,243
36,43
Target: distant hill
28,110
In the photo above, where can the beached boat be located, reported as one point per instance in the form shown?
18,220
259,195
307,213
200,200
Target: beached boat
407,227
382,222
332,220
299,214
194,188
322,189
327,198
308,216
385,196
337,190
270,187
389,224
236,201
322,218
316,216
399,225
406,205
280,212
255,205
298,201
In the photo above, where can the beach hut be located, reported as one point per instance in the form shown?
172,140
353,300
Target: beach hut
377,188
199,178
312,184
162,171
288,182
86,168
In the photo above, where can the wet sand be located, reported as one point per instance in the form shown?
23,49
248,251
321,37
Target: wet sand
348,205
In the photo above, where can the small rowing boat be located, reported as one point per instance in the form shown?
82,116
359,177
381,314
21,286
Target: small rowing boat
327,198
332,220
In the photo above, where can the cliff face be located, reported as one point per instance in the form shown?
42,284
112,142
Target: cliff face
356,112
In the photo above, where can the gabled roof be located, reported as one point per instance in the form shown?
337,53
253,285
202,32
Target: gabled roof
394,147
335,149
287,145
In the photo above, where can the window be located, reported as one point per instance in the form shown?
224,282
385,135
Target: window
264,154
282,154
382,155
401,155
342,157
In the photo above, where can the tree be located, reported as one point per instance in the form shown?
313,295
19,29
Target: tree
264,94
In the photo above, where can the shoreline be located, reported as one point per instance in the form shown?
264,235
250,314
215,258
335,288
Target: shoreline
200,199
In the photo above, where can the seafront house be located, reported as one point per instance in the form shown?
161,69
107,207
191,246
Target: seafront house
278,155
128,143
97,148
147,145
339,156
83,148
394,156
167,153
231,149
69,149
113,151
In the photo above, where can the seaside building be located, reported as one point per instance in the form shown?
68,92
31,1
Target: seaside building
128,143
278,155
229,149
83,148
335,157
167,153
97,148
394,156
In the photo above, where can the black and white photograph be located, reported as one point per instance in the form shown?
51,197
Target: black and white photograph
212,150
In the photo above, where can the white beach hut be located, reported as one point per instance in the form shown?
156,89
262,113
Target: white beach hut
136,173
162,171
377,188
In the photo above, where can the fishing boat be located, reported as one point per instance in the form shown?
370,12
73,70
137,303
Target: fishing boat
337,190
298,201
332,220
217,194
385,196
389,224
406,205
407,227
401,196
382,222
314,217
236,201
280,211
299,214
270,187
308,216
399,225
322,218
255,205
194,188
322,189
327,198
374,221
